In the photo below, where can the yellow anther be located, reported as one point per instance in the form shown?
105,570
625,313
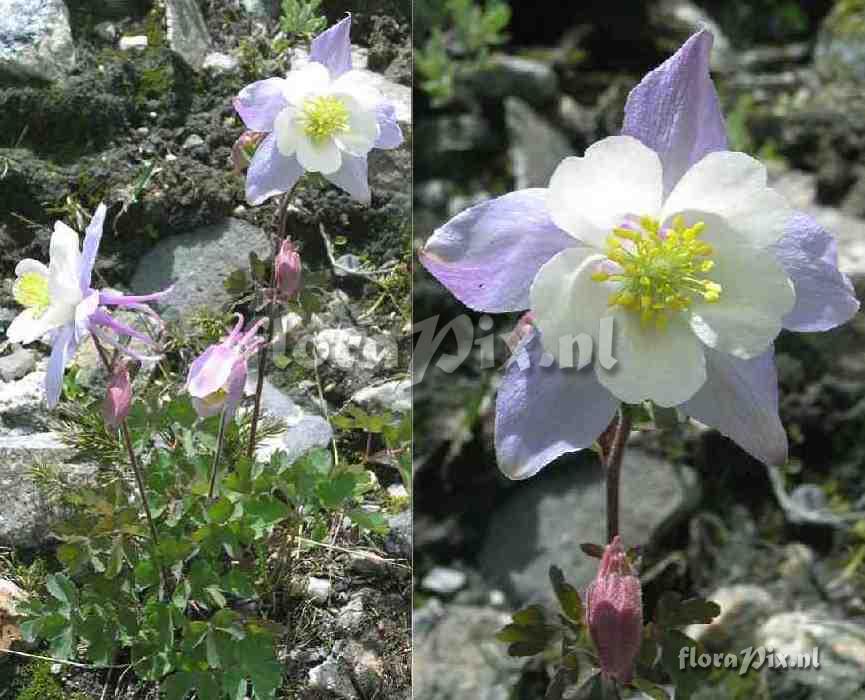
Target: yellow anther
627,234
322,117
600,276
31,291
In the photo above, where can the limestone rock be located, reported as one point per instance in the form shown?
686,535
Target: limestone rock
36,39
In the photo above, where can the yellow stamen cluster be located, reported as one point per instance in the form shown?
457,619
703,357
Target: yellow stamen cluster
660,271
322,117
31,291
215,398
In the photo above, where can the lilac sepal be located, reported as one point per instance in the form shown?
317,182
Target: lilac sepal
390,133
740,399
545,412
825,297
259,103
352,177
92,238
270,173
114,299
675,110
332,48
63,347
488,255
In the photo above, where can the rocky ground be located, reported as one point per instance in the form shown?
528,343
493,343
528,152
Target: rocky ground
129,102
776,549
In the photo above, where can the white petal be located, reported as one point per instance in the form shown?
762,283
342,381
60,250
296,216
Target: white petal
733,186
320,157
618,177
310,79
64,266
355,83
29,265
287,130
363,129
25,328
566,301
665,366
756,295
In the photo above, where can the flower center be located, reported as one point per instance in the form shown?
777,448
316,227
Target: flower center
215,398
322,117
660,271
31,291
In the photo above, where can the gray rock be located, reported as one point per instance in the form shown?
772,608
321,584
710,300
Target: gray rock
840,50
397,491
841,654
330,676
394,395
261,8
547,518
36,39
536,146
187,33
192,141
743,608
350,662
457,656
133,43
512,76
27,516
220,63
22,404
398,542
17,364
107,31
303,431
198,264
319,589
350,616
444,581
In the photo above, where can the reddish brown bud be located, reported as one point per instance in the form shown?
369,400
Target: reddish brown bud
614,613
288,270
118,396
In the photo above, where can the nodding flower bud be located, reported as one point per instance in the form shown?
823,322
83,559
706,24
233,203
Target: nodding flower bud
244,149
118,395
614,613
288,270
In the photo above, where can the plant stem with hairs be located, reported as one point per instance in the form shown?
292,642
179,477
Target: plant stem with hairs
612,461
220,439
273,308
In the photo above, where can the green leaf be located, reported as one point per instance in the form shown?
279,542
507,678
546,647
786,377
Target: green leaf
258,659
569,598
672,611
216,596
532,615
281,361
115,559
650,689
520,649
63,646
61,588
146,573
687,680
264,513
334,492
374,522
220,511
591,689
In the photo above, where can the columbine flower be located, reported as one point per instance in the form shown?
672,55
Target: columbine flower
614,613
322,117
59,302
678,240
288,270
217,376
118,396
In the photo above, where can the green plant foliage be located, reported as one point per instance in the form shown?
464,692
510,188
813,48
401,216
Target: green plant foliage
460,41
301,18
174,608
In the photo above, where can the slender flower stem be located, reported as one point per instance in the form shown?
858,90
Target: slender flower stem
127,440
613,467
220,439
271,324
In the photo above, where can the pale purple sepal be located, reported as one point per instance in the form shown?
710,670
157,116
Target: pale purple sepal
210,370
133,300
63,347
270,173
332,48
352,177
824,295
488,255
259,103
545,412
390,134
740,399
92,237
84,313
102,318
675,110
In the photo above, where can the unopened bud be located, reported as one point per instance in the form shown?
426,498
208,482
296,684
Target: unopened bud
288,270
244,149
614,613
118,396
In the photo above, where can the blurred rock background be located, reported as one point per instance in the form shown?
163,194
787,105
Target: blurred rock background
504,91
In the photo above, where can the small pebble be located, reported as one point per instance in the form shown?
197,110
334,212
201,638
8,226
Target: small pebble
129,43
444,581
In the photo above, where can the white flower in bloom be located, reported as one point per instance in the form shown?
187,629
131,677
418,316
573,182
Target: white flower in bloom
677,273
325,118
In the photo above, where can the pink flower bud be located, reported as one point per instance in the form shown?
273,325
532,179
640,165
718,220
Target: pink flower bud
244,149
614,613
118,396
288,270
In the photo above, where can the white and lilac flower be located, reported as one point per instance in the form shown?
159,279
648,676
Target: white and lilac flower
216,377
322,117
59,302
677,239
